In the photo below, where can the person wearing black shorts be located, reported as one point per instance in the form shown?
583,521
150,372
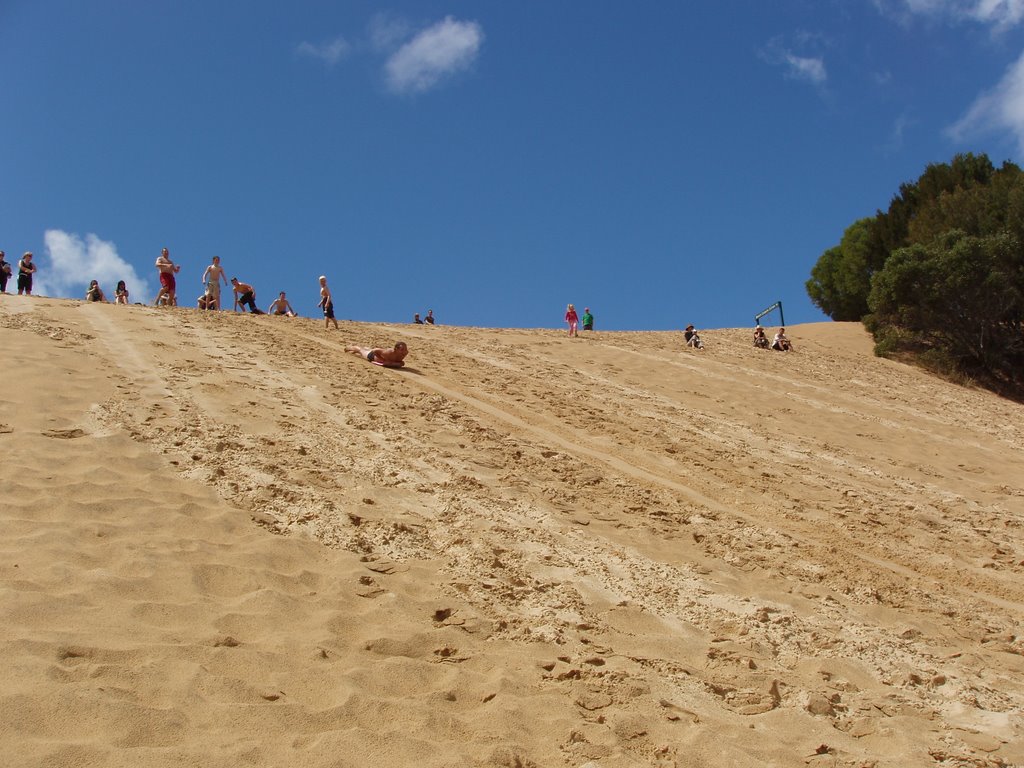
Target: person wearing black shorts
327,303
245,295
25,271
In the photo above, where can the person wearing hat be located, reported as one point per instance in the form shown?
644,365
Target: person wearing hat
25,271
588,319
760,340
692,339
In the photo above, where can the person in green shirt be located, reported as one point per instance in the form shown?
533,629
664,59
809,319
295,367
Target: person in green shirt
588,319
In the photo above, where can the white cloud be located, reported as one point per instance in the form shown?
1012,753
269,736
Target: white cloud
74,262
436,52
806,68
1000,14
1000,109
779,52
330,52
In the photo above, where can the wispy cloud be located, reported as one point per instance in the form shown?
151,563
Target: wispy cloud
999,110
437,52
999,14
73,262
809,68
806,68
330,52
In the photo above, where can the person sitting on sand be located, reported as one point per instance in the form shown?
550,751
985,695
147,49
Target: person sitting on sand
692,338
207,300
280,306
121,293
95,293
781,343
245,295
760,340
390,358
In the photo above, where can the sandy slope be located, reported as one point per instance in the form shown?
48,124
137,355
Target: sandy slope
227,543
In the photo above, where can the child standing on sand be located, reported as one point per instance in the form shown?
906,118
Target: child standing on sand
327,303
573,320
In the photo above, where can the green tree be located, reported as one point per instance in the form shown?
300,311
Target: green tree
956,304
841,278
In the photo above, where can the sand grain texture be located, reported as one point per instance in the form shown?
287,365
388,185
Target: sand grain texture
228,543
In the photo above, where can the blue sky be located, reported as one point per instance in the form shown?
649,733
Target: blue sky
661,163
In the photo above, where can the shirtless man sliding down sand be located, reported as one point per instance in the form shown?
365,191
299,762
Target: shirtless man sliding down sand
390,358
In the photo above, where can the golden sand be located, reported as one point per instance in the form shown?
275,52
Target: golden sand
225,542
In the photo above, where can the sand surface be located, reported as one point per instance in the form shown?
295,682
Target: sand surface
227,543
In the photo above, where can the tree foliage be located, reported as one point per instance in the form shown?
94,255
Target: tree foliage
841,279
939,275
957,305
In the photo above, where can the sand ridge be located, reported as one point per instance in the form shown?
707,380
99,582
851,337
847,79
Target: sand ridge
230,543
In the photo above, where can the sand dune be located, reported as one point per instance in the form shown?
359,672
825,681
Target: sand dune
228,543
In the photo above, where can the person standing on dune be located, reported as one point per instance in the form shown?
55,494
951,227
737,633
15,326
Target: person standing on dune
5,272
25,271
573,320
327,303
168,288
211,279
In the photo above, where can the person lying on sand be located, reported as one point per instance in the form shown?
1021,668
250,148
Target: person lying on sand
390,358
